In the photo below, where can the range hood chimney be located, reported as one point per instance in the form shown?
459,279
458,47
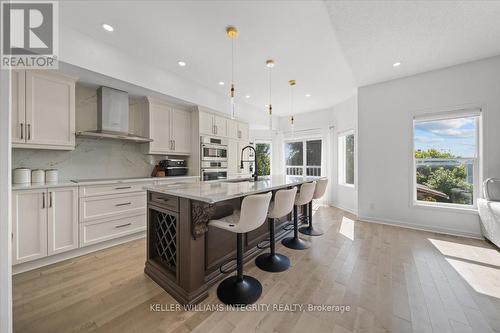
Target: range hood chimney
112,117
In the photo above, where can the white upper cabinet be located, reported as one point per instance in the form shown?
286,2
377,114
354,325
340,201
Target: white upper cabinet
159,128
181,131
29,225
43,111
232,129
211,124
18,106
169,127
62,221
207,123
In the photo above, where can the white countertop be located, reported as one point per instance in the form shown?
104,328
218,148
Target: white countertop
80,182
217,191
34,186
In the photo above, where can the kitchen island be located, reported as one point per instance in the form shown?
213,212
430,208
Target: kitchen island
184,254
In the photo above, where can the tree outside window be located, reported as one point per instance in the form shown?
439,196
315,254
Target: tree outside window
263,158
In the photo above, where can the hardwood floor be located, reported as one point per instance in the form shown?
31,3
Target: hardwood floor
393,279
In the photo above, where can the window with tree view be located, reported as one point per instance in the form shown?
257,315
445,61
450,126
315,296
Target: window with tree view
263,158
299,162
447,159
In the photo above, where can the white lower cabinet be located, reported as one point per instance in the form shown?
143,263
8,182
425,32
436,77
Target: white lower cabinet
44,222
62,220
29,225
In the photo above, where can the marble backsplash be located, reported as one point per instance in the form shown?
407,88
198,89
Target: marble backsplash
90,159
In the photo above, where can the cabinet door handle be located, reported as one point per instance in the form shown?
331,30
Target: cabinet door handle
123,187
29,131
122,225
216,129
43,200
123,204
50,199
22,131
174,144
213,129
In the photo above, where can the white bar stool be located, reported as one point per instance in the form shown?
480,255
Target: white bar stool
318,193
242,289
281,206
302,198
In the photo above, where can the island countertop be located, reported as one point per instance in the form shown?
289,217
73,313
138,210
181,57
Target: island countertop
213,192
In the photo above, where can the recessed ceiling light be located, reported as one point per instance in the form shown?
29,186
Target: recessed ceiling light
181,63
396,64
308,95
221,83
107,27
267,105
247,96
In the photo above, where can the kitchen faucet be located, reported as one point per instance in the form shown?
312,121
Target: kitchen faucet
256,173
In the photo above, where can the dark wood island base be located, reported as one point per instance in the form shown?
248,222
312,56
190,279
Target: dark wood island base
184,254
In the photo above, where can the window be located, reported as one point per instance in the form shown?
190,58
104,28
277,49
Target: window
263,158
298,162
346,158
446,159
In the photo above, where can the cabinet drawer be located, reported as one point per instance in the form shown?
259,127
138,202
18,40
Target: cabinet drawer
164,200
93,190
100,231
92,208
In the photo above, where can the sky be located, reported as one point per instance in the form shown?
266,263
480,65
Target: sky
456,136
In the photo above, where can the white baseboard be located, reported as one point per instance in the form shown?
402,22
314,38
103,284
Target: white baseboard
28,266
407,225
349,210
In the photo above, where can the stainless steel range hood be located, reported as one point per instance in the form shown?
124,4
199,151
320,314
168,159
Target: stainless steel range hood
112,117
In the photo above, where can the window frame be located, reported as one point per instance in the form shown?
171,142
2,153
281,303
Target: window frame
477,164
341,149
270,143
304,155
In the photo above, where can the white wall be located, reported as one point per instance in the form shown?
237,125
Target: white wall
325,124
385,143
5,228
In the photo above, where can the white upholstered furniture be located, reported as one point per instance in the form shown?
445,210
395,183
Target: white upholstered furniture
489,210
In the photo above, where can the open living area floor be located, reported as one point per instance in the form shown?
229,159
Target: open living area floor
391,279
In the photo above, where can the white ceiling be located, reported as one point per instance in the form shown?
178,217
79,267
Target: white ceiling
329,47
296,34
422,35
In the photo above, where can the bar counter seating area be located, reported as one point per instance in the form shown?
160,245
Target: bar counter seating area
199,233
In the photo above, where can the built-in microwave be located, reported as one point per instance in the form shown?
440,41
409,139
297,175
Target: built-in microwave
213,149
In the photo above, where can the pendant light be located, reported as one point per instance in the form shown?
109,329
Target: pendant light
270,65
292,120
232,33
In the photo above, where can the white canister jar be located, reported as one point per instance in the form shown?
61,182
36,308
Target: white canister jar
22,176
38,176
51,176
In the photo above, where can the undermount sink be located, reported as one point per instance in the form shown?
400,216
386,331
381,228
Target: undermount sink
238,180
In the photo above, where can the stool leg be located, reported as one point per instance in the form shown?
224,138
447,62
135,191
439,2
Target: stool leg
272,262
295,242
240,289
309,230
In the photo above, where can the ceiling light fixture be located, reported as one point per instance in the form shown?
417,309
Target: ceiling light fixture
247,96
181,63
270,65
107,27
221,83
292,120
308,95
232,33
396,64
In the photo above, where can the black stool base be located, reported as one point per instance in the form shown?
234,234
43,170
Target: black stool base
237,293
295,243
310,231
272,263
